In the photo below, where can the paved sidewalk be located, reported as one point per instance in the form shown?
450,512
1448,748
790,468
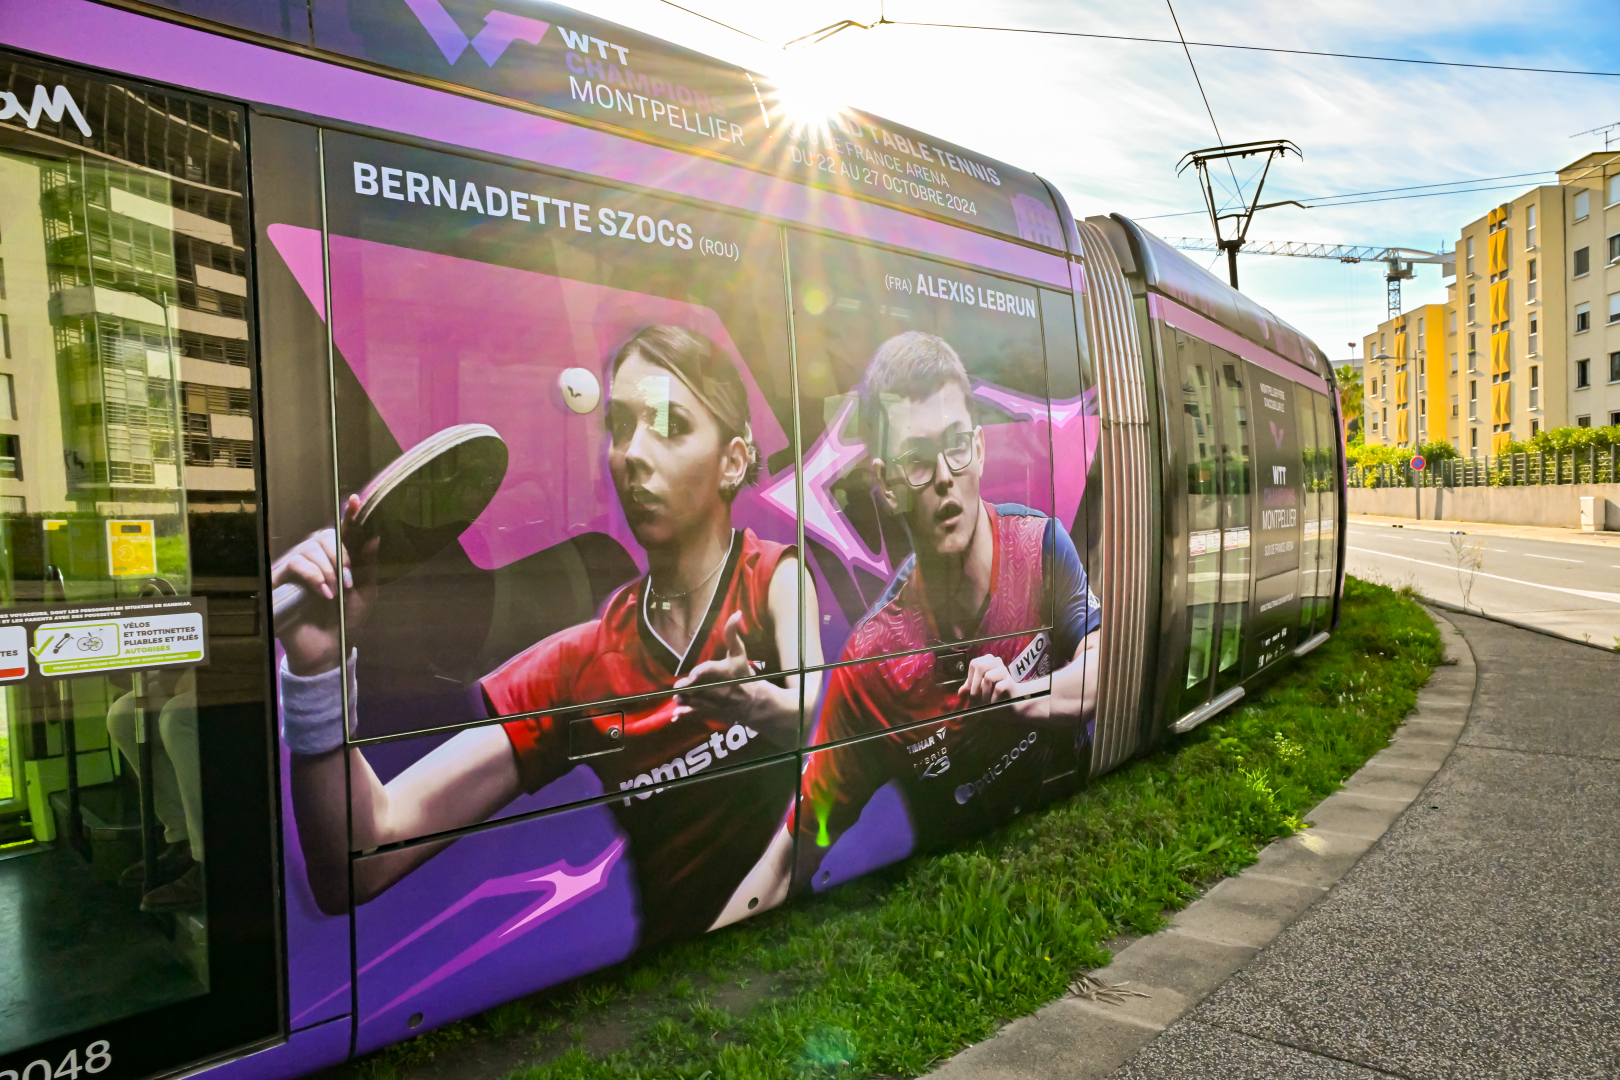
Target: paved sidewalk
1481,936
1488,528
1478,937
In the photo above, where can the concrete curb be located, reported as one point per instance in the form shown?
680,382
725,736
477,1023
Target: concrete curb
1217,935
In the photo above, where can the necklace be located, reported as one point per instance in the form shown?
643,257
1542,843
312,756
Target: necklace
663,598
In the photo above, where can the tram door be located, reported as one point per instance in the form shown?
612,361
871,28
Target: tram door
135,863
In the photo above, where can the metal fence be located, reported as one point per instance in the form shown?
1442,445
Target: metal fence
1592,465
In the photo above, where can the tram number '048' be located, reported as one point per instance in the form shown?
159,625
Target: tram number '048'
97,1057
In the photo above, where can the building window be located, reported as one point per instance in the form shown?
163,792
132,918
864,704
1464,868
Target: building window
5,335
1453,322
1614,248
1420,331
1472,352
8,395
1583,421
1454,363
1473,399
1534,324
1473,440
10,457
1583,261
1583,204
13,504
1531,287
1583,374
1469,267
1614,419
1422,365
1535,387
1614,308
2,279
1453,404
1614,367
1614,189
1470,305
1530,226
1535,427
1583,318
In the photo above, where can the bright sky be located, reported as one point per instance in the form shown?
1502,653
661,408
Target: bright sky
1107,121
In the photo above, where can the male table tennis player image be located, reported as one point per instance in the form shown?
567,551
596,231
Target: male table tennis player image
977,571
717,604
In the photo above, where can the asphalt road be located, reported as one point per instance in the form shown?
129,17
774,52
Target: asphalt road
1570,589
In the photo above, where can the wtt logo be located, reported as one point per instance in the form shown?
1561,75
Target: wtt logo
501,28
54,104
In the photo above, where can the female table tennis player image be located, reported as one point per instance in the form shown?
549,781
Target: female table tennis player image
716,605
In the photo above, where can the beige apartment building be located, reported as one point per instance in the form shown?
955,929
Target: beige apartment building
1499,368
1406,378
1591,206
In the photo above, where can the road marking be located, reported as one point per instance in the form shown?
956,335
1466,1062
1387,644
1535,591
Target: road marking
1415,540
1613,598
1549,558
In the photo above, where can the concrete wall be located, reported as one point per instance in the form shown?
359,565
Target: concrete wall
1551,505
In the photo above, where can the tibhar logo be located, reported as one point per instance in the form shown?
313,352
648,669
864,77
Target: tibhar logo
54,104
697,759
501,28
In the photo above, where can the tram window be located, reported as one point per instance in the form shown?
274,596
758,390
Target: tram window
1310,455
1327,442
1201,447
1236,475
121,905
945,543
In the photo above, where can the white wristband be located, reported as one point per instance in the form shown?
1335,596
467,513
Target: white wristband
312,708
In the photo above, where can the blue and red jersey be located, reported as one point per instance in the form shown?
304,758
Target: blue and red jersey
968,764
691,849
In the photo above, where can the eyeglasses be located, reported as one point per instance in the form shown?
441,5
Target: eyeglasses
919,466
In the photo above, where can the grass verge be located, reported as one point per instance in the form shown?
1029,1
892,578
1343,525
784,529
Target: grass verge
892,973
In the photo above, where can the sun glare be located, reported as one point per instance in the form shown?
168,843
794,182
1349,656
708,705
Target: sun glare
800,96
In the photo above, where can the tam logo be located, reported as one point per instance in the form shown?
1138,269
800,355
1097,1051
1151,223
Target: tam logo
501,28
54,104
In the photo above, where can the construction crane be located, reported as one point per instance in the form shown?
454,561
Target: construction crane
1397,260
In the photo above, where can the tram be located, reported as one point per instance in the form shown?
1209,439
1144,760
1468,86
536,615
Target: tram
485,491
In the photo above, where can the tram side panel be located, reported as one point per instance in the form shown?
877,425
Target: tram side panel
300,500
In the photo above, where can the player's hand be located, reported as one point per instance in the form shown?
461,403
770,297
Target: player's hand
736,701
988,680
322,566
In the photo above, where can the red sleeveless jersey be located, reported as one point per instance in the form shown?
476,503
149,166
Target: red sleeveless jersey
691,846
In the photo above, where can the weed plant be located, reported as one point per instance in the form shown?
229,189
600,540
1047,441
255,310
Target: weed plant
894,972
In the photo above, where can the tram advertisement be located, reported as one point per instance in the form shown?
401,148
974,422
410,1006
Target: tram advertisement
574,63
577,577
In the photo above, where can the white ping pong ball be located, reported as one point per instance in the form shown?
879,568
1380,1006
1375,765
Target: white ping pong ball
579,389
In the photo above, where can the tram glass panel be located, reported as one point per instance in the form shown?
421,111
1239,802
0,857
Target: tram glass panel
938,544
1327,444
1279,484
1201,451
1236,487
1310,456
134,868
620,589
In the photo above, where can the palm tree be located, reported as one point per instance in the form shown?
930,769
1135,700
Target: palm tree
1351,404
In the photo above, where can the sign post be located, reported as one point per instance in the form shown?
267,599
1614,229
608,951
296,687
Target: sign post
1417,465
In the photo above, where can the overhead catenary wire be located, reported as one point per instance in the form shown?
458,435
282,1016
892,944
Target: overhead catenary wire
1259,48
1219,138
1324,201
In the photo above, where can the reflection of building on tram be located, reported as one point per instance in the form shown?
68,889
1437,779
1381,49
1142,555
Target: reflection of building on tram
134,282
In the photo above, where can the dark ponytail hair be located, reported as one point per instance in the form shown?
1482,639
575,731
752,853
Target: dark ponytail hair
708,372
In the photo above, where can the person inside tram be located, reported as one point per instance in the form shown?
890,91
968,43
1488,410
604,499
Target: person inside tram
978,571
716,605
176,787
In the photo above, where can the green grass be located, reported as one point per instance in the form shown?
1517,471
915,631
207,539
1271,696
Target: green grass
889,974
